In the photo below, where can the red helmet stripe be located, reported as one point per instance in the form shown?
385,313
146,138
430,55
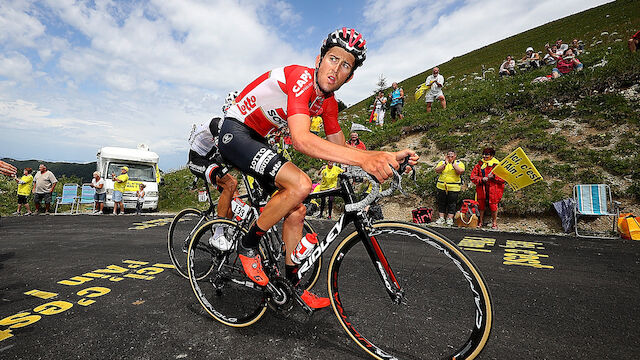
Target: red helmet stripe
353,41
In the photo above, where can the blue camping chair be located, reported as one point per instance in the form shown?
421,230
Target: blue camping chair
86,197
68,197
595,200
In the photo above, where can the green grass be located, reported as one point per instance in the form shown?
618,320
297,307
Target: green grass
9,194
176,193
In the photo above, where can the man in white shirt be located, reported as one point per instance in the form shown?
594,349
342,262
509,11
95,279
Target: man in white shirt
101,192
435,82
508,67
379,104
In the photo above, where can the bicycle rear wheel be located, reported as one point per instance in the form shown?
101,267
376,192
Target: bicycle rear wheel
225,293
181,229
445,311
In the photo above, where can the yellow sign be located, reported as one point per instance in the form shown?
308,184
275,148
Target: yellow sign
517,170
133,186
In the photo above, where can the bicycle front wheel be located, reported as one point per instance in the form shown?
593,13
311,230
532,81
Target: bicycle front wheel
181,229
444,311
225,293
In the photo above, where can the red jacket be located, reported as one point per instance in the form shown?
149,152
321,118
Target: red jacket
359,144
495,186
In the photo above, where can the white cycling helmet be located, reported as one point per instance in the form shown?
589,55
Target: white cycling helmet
348,39
529,49
230,100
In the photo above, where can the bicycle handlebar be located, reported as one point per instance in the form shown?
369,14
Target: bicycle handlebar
375,193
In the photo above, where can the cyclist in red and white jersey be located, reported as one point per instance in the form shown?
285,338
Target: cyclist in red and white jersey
288,97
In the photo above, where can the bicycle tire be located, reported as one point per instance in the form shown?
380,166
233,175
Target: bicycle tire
225,293
182,227
445,312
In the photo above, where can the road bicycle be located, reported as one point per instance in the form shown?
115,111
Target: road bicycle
400,291
187,221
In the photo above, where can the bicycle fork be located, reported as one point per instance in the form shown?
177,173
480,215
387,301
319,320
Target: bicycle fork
383,268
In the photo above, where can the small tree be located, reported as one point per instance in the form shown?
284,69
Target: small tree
382,84
381,87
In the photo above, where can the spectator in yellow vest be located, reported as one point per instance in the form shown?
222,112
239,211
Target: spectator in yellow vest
329,176
316,123
24,190
119,184
448,187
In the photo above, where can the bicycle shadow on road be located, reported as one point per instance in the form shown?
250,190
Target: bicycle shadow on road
321,332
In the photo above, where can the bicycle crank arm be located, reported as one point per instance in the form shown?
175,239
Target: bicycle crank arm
275,292
303,305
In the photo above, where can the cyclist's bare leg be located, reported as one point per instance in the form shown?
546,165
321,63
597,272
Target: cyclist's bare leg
292,230
229,185
294,187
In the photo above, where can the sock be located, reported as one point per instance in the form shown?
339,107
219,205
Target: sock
291,273
252,238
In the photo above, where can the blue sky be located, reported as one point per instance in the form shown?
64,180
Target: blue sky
78,75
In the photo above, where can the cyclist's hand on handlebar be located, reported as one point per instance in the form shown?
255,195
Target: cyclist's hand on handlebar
377,164
403,154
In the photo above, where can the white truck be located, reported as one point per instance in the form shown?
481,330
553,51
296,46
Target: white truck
143,168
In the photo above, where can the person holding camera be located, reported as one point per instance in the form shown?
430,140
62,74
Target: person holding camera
119,186
448,186
435,82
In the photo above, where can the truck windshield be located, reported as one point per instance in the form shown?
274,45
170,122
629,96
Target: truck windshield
137,172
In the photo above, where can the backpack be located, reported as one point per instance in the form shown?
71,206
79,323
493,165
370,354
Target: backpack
422,215
470,207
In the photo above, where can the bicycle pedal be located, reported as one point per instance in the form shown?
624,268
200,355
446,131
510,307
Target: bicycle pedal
307,309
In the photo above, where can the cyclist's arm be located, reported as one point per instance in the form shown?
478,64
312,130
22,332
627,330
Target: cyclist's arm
375,163
334,148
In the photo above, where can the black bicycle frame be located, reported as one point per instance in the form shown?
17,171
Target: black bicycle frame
366,234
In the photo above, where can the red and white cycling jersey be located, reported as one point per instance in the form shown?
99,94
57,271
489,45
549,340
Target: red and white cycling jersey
266,103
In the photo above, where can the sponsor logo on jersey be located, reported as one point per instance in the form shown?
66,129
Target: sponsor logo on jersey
276,118
261,159
195,167
275,169
315,107
227,138
302,83
248,104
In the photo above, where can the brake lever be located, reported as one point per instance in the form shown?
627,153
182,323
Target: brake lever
403,167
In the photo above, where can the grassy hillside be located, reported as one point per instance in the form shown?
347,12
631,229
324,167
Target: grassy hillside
177,192
581,128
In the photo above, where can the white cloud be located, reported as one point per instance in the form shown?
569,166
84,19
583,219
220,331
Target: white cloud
15,66
16,26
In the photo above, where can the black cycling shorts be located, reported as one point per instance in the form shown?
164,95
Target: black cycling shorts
250,153
206,168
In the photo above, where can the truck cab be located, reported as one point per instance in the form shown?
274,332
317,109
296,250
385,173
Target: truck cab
143,168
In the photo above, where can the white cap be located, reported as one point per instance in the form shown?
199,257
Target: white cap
529,49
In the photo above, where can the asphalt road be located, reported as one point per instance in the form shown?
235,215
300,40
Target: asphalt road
98,287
